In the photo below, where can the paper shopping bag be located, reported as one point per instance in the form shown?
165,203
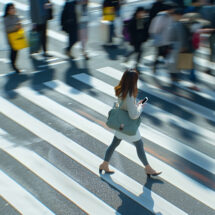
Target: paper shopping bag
18,39
185,61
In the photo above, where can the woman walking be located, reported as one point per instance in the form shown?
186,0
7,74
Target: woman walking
126,91
12,24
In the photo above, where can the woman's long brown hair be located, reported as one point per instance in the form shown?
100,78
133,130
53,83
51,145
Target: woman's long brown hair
127,84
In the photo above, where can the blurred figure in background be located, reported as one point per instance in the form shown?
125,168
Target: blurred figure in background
138,30
109,14
207,12
190,42
41,12
175,34
158,31
157,6
69,25
82,12
12,24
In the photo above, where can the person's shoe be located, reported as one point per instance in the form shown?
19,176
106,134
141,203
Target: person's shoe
86,57
104,166
194,88
151,172
16,70
47,55
67,53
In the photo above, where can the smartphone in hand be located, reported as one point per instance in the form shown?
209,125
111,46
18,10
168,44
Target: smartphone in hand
145,100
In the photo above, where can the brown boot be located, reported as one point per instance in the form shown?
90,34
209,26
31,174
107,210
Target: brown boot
151,172
105,166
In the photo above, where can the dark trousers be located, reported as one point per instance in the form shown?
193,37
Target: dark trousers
212,47
137,50
111,32
13,57
139,148
73,37
42,29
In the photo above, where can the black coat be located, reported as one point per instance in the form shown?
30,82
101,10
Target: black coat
138,35
156,8
69,18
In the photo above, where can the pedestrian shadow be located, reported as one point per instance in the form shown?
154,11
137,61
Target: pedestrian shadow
13,81
44,75
114,51
79,68
147,193
125,208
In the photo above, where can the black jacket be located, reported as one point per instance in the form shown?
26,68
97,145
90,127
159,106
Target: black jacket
69,17
138,34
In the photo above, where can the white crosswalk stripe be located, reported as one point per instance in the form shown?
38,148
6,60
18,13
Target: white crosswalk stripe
171,175
68,120
107,89
19,197
68,147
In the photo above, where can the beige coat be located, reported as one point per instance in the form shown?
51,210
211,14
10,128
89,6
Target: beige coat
134,111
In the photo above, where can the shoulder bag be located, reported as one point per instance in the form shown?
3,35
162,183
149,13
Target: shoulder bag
118,119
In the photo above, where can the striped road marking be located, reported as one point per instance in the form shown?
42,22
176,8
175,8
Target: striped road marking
59,181
147,132
19,198
95,83
178,179
125,184
173,99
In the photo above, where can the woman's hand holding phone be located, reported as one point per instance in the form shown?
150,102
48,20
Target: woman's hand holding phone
143,101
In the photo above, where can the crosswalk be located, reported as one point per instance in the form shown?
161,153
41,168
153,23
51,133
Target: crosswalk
53,137
65,123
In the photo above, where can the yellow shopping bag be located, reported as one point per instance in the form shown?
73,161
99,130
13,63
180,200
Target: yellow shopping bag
18,39
108,13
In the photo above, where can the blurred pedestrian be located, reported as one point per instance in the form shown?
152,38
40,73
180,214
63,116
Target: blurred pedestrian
70,25
175,35
126,91
138,30
158,32
190,42
83,18
12,24
41,12
109,14
157,6
207,12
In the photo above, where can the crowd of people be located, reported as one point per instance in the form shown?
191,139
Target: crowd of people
73,21
175,27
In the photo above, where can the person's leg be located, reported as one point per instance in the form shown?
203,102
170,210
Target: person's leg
212,51
111,148
142,156
44,37
140,152
13,57
139,54
129,55
111,33
105,165
156,59
83,39
71,42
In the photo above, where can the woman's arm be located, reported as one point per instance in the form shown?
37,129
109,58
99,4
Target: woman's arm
134,111
12,25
